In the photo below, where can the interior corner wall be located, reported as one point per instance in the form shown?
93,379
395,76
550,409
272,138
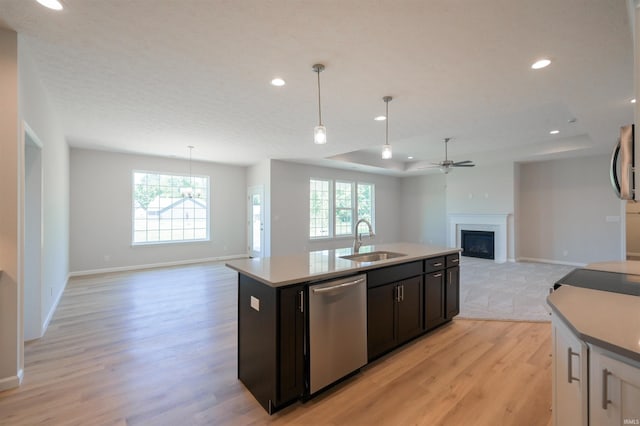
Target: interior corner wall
102,205
38,113
568,211
260,174
484,189
290,207
423,206
10,312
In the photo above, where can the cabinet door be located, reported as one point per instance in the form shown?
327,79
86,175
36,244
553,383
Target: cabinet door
381,330
452,292
409,308
569,377
434,313
291,323
614,390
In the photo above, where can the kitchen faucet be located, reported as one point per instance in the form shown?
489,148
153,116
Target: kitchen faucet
358,240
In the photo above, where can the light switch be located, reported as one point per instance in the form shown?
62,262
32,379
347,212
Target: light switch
612,219
255,303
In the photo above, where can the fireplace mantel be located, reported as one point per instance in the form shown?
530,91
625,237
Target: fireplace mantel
480,222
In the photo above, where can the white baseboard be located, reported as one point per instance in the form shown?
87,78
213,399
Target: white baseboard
555,262
11,381
155,265
54,306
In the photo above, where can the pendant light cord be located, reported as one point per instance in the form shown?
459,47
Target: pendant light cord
319,107
386,136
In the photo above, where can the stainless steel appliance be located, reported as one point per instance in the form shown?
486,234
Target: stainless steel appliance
622,165
337,330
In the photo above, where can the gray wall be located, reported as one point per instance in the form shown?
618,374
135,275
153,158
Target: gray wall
290,207
10,324
427,200
424,209
101,210
39,114
564,205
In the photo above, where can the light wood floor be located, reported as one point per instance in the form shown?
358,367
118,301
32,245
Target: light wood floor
158,347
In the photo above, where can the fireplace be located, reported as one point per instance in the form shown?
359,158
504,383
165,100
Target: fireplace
477,244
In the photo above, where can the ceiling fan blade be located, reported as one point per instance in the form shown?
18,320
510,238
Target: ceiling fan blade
463,165
463,162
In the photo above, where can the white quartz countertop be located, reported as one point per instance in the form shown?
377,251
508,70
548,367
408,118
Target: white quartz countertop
606,319
622,266
319,265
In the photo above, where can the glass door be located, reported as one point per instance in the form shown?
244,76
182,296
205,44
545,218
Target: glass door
256,220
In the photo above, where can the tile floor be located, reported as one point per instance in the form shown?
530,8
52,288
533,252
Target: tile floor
507,291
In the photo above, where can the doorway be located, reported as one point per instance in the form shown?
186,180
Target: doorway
255,222
32,255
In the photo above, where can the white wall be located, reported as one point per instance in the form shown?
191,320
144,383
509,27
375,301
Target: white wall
564,210
290,207
484,190
38,113
427,200
101,212
10,314
423,209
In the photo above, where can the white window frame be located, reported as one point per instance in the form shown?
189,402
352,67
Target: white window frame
165,242
332,207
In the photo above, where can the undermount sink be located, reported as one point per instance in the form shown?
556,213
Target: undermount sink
373,256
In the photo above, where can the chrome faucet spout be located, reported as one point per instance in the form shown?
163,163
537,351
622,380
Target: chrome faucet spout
357,242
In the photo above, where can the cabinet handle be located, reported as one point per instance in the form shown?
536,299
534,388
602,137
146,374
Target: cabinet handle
605,391
402,293
570,377
455,260
396,297
437,264
301,300
438,275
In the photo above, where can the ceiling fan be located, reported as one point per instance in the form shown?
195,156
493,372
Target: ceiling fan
446,164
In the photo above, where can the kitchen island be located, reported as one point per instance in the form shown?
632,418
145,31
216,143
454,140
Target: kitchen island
596,349
409,291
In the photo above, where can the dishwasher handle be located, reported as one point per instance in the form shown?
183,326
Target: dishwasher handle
333,287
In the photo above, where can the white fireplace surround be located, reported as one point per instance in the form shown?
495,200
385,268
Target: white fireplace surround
497,223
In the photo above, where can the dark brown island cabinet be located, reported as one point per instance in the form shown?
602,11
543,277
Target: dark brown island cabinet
403,301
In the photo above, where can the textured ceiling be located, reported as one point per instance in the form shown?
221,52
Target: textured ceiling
153,76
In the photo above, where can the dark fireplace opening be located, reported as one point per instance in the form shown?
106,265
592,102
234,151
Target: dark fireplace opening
477,244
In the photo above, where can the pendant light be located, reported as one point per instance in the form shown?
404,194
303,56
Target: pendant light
188,190
386,149
319,132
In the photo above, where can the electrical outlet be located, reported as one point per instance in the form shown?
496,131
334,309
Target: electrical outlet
107,257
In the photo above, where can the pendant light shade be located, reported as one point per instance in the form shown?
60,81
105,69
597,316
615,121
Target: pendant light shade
319,132
387,153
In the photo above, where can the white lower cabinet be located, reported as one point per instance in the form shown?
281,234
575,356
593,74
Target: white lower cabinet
570,377
592,386
614,391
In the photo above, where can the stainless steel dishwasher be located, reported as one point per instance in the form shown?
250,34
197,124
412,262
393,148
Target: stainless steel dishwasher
337,330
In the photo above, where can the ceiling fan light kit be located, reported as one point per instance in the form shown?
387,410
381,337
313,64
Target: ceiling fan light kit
446,165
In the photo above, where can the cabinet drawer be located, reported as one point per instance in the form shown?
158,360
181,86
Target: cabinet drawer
391,274
453,260
434,264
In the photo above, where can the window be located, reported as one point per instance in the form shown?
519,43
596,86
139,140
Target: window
170,208
334,207
319,208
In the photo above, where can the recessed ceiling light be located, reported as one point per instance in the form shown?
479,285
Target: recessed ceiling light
554,132
380,118
278,82
541,63
633,101
51,4
410,157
